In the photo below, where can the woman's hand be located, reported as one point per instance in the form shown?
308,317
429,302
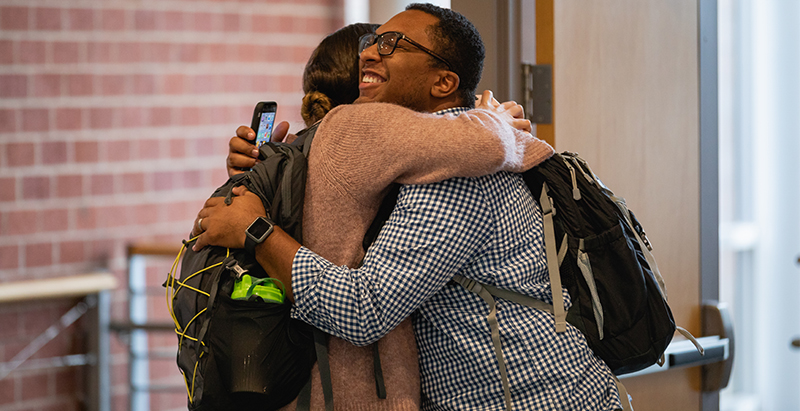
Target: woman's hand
510,111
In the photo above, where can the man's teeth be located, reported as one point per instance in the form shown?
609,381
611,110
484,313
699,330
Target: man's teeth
372,79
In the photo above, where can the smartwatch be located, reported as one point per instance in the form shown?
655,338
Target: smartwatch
258,231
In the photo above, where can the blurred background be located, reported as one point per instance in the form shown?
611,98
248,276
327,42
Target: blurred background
114,122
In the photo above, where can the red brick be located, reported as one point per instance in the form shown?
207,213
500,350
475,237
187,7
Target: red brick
192,179
36,187
177,148
54,220
160,52
99,52
35,119
19,222
102,184
132,117
71,252
69,186
54,153
7,390
86,151
6,52
8,189
32,52
65,52
188,53
146,214
111,85
173,20
264,23
80,19
46,85
149,149
48,19
144,84
133,183
230,22
13,85
248,53
34,386
69,118
163,180
19,154
130,52
86,218
112,20
8,121
204,146
67,381
219,53
205,22
38,255
174,84
79,84
119,151
160,116
101,117
144,20
14,18
9,258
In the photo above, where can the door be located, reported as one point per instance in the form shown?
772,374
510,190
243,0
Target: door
627,96
626,82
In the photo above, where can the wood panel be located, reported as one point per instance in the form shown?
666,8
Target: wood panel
626,85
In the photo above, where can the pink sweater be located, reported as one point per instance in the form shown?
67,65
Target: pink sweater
357,152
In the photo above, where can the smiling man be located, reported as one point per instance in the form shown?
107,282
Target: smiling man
484,228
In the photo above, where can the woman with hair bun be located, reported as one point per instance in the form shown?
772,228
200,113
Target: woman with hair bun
351,167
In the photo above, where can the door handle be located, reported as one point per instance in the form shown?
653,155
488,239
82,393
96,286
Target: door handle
717,321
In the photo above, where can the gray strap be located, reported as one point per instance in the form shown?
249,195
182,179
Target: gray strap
518,298
588,275
552,260
624,398
477,288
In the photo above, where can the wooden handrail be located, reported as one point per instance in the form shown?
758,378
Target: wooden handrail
155,249
60,287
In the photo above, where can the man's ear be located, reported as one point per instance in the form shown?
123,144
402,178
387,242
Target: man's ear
446,84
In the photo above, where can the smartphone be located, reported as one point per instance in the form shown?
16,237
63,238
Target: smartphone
263,121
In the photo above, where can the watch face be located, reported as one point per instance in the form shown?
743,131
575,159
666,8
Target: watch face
259,228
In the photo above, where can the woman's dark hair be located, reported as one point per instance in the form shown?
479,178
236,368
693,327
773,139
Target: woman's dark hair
331,75
458,41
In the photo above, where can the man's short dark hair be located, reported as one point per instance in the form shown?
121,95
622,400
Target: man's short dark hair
458,41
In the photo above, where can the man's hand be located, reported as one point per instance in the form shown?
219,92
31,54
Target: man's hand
243,154
510,111
225,225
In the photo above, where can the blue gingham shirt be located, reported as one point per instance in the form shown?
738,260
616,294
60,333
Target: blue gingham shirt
486,228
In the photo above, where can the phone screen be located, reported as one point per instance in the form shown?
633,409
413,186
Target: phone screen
265,123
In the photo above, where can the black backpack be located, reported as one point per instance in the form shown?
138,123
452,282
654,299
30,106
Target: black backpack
598,251
241,354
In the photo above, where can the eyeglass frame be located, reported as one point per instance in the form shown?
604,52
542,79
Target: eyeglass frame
363,46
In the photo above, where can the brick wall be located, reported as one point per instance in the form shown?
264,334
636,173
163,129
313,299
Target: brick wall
114,121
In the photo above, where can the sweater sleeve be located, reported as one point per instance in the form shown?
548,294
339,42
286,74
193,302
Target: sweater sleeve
386,143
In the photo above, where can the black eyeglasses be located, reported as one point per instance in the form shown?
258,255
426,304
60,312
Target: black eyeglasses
387,43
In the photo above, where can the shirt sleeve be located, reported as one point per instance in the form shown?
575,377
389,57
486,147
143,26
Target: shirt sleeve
433,232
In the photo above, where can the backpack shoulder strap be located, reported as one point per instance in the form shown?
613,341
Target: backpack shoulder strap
552,260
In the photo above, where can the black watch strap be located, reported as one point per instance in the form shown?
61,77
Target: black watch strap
256,233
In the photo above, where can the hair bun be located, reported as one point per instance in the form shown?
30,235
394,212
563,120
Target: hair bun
315,106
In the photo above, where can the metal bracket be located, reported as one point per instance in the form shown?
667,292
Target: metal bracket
537,92
717,321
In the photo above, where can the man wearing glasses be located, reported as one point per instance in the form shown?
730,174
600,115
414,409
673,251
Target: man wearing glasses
485,228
